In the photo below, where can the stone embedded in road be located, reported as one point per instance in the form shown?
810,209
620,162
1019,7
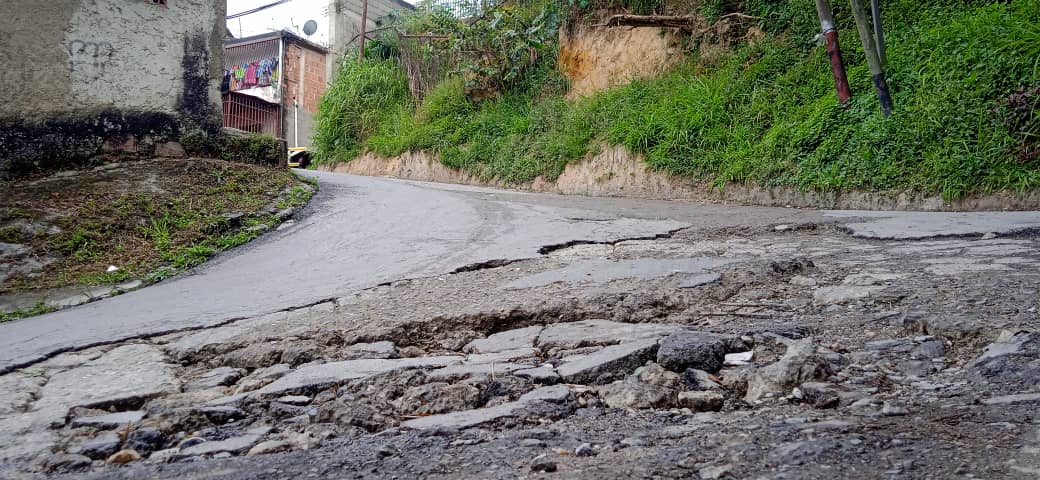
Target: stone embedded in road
126,375
455,372
384,349
233,445
99,447
702,401
146,439
111,420
311,378
437,397
504,341
600,332
123,456
221,414
609,362
294,400
551,394
839,294
218,377
65,463
631,393
798,365
270,446
699,350
471,418
527,353
544,374
465,418
1011,364
820,395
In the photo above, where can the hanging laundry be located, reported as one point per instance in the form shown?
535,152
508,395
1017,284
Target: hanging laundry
261,73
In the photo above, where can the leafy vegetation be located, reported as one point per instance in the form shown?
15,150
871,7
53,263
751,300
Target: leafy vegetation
965,78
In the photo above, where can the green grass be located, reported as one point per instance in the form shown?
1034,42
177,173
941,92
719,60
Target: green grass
765,114
39,308
150,230
195,254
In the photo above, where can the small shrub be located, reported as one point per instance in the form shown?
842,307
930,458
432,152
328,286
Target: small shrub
354,106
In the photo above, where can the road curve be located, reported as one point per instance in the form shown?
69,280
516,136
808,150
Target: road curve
356,233
359,232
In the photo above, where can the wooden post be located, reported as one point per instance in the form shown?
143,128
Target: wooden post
364,25
877,73
830,36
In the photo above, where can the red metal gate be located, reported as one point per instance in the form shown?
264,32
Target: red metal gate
251,114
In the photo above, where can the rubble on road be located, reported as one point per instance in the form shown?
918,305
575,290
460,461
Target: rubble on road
820,354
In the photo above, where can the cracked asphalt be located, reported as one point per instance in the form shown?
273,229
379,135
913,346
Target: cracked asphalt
359,232
436,331
356,233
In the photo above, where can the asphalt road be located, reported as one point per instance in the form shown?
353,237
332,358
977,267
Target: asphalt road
359,232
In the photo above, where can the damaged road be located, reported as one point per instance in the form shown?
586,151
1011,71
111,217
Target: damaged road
739,346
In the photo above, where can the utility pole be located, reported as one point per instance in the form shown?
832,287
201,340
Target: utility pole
879,33
877,71
364,25
830,37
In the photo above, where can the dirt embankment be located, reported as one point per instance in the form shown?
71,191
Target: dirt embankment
596,58
614,172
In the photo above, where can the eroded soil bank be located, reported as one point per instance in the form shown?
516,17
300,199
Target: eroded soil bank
780,352
616,172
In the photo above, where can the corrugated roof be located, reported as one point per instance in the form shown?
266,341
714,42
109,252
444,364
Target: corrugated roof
249,52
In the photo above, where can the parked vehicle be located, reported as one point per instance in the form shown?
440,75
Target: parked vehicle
299,157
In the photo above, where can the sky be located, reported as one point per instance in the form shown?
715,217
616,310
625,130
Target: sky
291,16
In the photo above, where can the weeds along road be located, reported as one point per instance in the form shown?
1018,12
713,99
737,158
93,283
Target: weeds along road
359,232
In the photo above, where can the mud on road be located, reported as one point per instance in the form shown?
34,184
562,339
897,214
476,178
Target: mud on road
798,352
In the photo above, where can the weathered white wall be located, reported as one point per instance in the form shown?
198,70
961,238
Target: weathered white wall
72,55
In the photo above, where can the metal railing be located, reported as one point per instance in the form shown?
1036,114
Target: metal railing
250,114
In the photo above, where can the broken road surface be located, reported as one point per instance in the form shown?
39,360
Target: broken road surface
413,330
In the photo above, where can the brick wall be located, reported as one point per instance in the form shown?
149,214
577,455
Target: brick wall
306,66
304,83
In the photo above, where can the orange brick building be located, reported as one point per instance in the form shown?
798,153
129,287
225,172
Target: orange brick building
272,84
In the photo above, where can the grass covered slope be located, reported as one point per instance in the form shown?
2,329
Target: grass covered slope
150,219
964,75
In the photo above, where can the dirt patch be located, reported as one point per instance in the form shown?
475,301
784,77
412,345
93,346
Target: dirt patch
615,172
597,58
132,220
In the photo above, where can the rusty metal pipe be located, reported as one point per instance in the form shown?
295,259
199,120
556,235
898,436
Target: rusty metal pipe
830,37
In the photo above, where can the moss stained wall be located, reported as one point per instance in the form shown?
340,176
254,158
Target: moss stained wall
82,73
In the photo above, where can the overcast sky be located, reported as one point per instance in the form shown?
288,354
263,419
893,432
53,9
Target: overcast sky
291,15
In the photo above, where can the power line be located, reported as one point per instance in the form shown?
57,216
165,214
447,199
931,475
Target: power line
257,9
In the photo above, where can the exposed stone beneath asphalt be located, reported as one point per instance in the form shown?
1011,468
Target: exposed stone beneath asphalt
599,332
799,364
112,420
470,418
746,376
123,377
309,379
698,350
607,363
